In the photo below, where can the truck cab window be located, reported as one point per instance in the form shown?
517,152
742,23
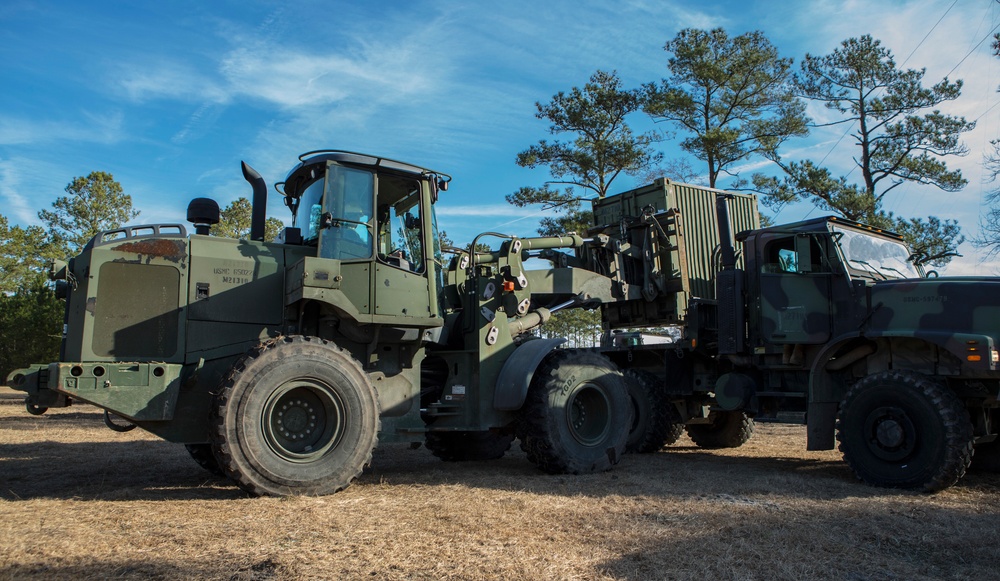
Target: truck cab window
780,256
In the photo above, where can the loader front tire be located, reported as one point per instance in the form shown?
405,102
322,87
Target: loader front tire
577,414
295,416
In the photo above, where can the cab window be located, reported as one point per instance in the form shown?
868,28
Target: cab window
399,224
782,255
347,214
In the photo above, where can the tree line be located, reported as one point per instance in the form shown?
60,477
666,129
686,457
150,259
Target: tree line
30,314
727,99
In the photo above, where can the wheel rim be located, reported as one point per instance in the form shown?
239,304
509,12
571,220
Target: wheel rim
588,413
890,433
303,420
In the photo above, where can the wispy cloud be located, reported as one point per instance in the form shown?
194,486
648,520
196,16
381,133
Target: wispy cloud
93,128
491,210
166,79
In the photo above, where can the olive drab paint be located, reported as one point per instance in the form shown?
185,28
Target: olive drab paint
271,350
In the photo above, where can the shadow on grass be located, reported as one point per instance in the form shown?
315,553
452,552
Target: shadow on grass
674,472
150,569
132,470
157,470
858,542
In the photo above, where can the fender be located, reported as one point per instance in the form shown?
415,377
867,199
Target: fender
515,376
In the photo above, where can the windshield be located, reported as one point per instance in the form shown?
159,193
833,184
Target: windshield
881,257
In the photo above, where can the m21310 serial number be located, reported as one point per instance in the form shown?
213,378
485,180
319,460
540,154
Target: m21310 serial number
926,299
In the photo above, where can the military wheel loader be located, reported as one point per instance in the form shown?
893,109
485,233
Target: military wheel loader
281,365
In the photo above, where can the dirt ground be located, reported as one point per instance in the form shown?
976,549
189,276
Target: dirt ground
78,501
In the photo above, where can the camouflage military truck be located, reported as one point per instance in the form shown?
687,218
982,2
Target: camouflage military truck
827,322
281,365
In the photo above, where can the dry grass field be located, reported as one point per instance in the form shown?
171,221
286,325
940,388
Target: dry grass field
78,501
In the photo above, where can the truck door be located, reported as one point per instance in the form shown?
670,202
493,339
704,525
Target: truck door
795,280
401,267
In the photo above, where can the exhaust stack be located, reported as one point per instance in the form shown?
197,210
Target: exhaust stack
259,216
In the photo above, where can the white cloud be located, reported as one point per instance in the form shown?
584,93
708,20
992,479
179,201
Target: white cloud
26,185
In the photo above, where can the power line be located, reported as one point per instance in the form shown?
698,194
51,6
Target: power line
929,33
978,44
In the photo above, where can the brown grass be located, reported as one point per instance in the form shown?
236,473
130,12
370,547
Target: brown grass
79,501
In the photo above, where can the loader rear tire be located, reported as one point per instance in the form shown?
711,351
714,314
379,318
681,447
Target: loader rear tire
577,414
296,416
468,446
726,430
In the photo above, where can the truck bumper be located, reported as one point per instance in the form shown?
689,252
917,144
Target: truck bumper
136,391
34,382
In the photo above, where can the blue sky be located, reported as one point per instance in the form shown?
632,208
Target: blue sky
170,96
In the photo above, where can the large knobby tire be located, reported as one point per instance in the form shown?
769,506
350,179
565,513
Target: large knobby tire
577,414
725,430
655,420
903,430
203,455
468,446
296,416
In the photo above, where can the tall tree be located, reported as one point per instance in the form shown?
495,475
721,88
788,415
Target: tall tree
989,228
732,95
95,203
24,256
235,220
30,321
679,170
898,142
602,148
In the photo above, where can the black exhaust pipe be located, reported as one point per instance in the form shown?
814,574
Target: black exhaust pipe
729,286
725,232
259,216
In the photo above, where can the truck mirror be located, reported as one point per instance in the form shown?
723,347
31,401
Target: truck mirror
803,251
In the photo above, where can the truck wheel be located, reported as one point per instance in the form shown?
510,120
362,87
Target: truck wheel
468,446
726,430
655,421
901,429
296,416
35,409
202,454
577,414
